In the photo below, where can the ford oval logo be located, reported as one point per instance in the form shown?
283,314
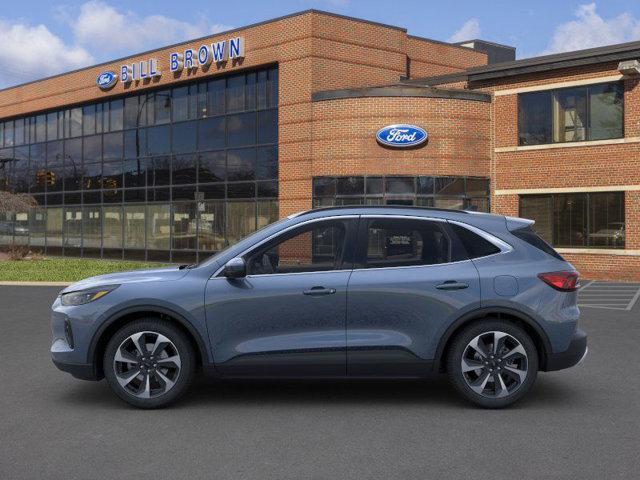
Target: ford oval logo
401,136
106,80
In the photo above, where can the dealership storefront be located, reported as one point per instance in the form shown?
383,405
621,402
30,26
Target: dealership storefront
173,154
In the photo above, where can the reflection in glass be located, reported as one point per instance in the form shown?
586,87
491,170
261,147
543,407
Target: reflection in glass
134,226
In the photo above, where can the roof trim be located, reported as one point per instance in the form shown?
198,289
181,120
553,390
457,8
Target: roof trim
495,44
213,34
400,91
609,53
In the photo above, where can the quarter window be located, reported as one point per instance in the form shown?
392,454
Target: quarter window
593,112
403,243
315,248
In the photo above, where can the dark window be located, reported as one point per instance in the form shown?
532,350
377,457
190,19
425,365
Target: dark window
375,186
116,108
607,109
215,96
241,164
267,168
350,186
578,220
474,244
241,129
268,126
211,133
184,137
92,149
402,243
532,238
578,114
112,146
135,172
241,190
184,169
212,167
400,185
131,112
112,175
158,140
314,248
235,93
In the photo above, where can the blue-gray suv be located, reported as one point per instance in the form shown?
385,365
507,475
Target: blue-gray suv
356,292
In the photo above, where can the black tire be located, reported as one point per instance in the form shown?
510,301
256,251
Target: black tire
184,374
459,346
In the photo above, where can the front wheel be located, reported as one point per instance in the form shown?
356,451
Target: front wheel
493,363
149,363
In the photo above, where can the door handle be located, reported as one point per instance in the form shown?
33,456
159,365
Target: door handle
319,291
452,285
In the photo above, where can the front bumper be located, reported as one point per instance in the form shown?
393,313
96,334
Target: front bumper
573,355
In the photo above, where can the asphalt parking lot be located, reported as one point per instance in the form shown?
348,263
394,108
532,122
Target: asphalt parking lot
581,423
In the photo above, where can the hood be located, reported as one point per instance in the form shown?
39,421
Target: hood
135,276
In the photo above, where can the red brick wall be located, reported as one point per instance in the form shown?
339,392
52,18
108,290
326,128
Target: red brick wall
566,167
429,58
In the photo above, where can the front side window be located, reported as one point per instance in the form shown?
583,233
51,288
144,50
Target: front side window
593,112
578,220
315,248
404,243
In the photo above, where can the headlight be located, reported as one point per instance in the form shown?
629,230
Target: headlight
85,296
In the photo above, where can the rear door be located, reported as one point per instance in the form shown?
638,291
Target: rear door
411,280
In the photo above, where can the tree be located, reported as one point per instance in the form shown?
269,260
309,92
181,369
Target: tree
16,202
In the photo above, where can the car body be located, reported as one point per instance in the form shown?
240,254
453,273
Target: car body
352,292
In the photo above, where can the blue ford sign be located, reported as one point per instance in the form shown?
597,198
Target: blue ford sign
106,80
401,136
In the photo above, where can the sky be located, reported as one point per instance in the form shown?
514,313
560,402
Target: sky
39,38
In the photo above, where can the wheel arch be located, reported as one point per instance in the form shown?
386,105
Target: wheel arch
533,329
119,319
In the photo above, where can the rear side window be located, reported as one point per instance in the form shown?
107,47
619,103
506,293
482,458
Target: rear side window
532,238
474,244
403,243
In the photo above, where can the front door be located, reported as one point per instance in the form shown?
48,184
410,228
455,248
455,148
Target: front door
411,280
287,317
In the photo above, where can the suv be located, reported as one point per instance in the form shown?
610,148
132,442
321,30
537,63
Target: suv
375,292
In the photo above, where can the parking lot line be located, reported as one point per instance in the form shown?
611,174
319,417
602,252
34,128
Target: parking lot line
611,296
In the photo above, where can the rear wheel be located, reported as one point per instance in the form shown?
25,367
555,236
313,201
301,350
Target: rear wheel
149,363
493,363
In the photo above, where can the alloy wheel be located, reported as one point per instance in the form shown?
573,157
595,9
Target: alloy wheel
147,364
494,364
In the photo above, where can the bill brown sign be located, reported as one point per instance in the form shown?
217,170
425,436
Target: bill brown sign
189,59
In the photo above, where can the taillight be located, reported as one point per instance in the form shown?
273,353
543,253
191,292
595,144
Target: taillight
563,281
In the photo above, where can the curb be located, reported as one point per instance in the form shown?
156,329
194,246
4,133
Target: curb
36,284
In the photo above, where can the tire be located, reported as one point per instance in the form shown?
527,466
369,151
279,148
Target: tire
162,376
505,381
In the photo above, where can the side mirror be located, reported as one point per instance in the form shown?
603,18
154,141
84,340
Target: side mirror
235,268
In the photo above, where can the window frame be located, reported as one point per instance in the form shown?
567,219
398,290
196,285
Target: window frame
350,222
552,93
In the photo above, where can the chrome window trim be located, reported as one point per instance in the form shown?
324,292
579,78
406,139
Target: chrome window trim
289,228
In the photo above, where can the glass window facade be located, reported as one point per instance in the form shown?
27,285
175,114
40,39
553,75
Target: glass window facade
470,193
578,220
160,175
594,112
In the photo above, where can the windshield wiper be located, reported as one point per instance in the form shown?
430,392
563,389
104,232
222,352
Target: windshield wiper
188,267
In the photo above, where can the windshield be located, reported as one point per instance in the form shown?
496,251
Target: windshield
240,245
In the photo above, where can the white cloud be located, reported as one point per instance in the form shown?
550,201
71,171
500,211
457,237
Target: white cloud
98,32
28,52
104,29
589,29
469,31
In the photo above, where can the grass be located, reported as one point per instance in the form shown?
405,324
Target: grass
64,269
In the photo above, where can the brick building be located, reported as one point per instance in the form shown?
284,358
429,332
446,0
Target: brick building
174,153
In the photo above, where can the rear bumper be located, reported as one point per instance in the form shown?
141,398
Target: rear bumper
571,356
83,371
